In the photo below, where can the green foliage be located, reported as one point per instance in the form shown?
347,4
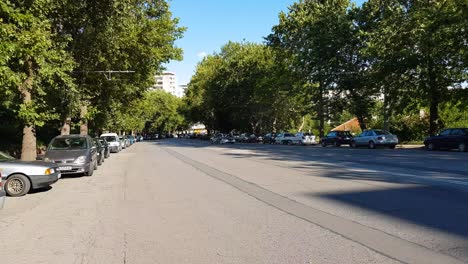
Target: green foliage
156,112
31,61
241,88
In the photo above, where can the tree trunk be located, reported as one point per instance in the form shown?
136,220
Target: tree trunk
84,120
65,130
434,102
28,148
302,125
386,112
274,125
362,123
321,112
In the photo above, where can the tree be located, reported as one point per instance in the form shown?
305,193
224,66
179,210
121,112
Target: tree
136,35
32,65
418,51
240,88
312,36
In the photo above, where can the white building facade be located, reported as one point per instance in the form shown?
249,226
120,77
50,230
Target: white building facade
168,82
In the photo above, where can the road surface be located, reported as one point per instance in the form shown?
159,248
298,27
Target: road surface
185,201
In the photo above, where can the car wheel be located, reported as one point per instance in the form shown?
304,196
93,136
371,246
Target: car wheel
371,145
99,162
462,147
392,146
353,144
430,147
323,144
95,165
17,185
90,171
337,144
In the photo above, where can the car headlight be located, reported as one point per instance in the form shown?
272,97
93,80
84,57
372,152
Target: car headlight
46,159
80,160
49,171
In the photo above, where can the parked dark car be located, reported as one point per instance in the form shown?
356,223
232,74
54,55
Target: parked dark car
100,151
107,148
336,138
451,138
269,138
254,139
73,154
22,176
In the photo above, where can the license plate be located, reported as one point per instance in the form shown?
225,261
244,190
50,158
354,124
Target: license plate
64,168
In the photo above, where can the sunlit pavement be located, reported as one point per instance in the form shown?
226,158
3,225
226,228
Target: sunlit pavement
186,201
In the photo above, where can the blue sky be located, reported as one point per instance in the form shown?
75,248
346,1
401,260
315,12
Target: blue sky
212,23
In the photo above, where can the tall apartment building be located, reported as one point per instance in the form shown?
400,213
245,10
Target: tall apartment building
181,91
168,82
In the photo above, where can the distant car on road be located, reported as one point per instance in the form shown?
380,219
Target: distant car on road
306,138
451,138
336,138
73,154
106,146
288,138
101,151
373,138
2,192
222,139
113,141
131,139
22,176
123,142
269,138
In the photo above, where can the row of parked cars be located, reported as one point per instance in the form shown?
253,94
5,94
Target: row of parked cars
270,138
66,154
451,138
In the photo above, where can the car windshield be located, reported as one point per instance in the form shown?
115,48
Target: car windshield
68,143
5,157
109,138
381,132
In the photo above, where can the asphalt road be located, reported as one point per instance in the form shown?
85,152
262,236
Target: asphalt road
185,201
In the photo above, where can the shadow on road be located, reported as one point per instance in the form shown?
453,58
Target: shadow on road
428,206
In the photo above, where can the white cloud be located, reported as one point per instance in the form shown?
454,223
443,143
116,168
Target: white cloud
202,54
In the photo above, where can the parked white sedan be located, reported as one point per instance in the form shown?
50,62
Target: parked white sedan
307,138
287,139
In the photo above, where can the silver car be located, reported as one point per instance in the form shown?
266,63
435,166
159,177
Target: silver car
22,176
373,138
2,192
73,154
